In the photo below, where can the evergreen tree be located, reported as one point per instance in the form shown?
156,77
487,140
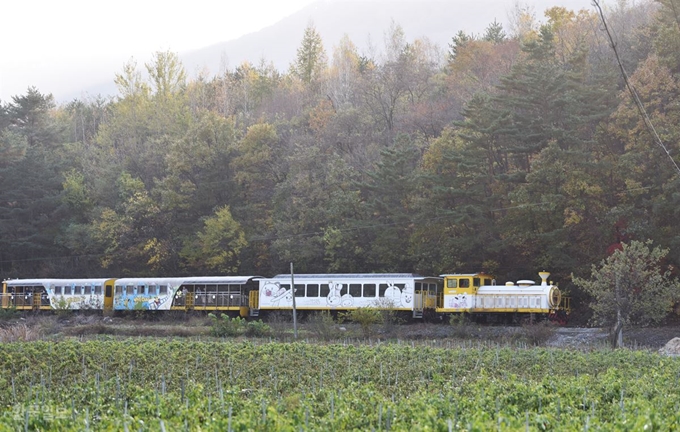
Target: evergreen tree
387,192
494,33
31,187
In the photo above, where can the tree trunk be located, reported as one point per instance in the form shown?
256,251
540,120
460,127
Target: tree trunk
617,332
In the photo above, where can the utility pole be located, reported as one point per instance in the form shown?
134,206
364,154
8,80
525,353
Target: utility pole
292,291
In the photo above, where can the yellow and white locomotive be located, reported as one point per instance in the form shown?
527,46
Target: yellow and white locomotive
478,295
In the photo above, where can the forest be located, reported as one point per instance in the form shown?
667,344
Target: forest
512,151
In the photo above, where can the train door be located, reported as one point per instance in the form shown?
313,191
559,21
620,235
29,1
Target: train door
419,299
5,296
108,295
37,297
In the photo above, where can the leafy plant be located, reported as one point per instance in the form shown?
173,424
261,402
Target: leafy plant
631,287
366,317
257,329
8,313
224,325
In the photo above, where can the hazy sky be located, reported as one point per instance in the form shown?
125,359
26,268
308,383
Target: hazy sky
50,43
62,45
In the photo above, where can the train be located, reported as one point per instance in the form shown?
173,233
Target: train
471,294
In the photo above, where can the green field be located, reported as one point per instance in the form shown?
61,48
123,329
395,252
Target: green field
184,385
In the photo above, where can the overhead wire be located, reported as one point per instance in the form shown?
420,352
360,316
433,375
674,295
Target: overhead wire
631,89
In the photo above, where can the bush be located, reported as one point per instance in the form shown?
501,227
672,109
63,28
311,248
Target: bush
391,318
8,313
258,329
460,325
225,325
322,325
366,317
539,333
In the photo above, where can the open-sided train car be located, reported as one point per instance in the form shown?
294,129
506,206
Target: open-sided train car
46,294
397,291
216,293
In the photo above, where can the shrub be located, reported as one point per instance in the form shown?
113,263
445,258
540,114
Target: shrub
258,329
460,325
539,333
390,317
322,325
366,317
225,325
8,313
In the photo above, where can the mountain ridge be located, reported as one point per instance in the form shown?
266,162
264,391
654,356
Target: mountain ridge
363,21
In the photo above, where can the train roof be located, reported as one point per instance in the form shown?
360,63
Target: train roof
191,280
355,276
235,280
43,282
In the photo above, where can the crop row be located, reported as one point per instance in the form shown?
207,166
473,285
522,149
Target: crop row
175,385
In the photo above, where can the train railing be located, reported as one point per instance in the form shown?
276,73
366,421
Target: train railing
565,304
210,300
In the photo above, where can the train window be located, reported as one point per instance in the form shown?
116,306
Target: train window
98,290
285,286
381,290
355,290
130,289
419,286
77,290
119,289
67,290
87,290
312,290
163,290
400,286
211,288
324,291
476,282
487,281
343,291
451,283
369,290
152,289
299,290
57,290
464,283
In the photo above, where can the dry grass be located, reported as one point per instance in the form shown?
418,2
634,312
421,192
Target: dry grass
19,333
539,333
137,330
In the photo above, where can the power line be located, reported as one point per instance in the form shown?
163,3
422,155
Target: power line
633,93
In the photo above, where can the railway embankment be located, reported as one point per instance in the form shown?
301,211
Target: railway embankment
50,327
